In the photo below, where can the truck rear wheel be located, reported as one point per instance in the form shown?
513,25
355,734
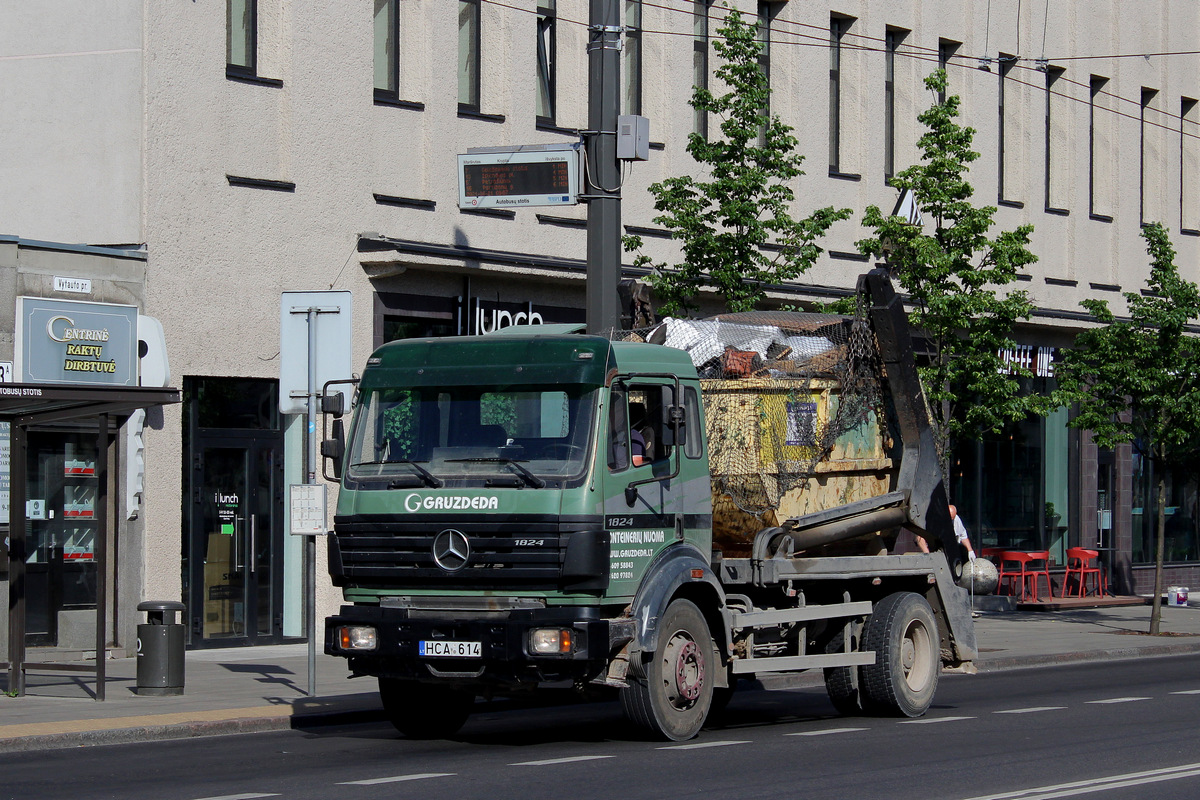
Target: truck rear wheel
424,710
673,697
903,633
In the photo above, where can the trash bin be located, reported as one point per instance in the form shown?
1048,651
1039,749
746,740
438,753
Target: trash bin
160,649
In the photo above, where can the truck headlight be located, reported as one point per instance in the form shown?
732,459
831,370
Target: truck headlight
550,641
357,637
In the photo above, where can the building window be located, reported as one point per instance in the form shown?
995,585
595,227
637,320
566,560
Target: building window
1008,140
1148,162
545,61
892,40
468,55
764,65
387,49
946,51
631,54
1055,174
1099,150
1189,165
241,37
838,26
700,61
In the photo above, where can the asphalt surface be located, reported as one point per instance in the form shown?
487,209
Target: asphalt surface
261,689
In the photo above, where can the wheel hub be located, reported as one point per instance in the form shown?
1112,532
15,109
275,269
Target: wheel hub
688,663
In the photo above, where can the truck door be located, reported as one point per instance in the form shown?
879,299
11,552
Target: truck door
643,505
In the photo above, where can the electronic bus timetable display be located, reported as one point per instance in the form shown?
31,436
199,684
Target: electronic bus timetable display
519,178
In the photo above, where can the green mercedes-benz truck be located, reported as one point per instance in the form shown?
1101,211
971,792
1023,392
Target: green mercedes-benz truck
659,513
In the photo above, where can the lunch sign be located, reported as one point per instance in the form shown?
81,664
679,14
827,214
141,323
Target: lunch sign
65,341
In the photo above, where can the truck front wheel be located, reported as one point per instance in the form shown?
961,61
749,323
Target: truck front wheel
673,696
903,633
424,710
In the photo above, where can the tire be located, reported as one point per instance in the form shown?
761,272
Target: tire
673,696
424,710
842,683
904,635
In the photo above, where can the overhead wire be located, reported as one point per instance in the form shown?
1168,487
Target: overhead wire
911,51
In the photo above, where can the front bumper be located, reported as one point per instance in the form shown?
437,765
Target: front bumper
505,659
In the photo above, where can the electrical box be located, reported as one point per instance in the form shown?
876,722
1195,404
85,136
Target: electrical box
633,138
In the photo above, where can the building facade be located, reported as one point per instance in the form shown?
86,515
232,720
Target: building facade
235,153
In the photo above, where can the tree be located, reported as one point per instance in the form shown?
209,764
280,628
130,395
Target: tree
1138,381
957,278
734,228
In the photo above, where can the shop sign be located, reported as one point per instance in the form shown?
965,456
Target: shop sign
489,316
66,341
1038,360
6,372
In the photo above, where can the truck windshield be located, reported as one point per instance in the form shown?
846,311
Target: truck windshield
519,436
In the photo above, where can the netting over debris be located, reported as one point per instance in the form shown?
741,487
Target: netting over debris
784,394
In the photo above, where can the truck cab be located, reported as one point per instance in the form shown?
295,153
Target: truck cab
501,499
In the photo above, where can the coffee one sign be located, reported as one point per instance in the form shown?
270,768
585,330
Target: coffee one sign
64,341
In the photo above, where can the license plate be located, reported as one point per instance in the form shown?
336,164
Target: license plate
449,649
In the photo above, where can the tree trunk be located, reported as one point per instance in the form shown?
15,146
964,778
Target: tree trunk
1160,540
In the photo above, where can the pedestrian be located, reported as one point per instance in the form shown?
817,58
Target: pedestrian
960,535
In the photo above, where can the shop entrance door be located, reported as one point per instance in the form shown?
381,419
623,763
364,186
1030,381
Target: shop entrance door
237,542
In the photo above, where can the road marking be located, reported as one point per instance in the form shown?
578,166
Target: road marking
1112,700
826,732
1189,691
239,796
551,761
1098,784
1032,710
932,720
398,778
701,745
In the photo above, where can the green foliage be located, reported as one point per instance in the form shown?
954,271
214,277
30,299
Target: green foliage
958,281
1139,380
498,409
724,222
399,424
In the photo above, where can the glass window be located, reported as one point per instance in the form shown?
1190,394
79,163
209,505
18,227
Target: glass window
387,50
764,65
700,61
631,54
245,403
694,446
545,61
892,39
1179,537
471,436
468,55
837,29
241,36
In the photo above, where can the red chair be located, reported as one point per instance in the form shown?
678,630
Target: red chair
1079,564
1028,568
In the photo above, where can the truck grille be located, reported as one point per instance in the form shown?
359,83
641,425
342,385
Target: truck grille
390,554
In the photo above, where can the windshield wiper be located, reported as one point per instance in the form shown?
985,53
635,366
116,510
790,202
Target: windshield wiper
427,477
530,478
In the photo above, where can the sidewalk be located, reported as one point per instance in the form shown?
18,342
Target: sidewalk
260,689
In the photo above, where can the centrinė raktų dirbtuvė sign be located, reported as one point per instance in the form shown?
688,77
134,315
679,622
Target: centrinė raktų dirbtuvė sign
65,341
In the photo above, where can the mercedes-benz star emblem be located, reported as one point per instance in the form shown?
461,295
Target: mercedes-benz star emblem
451,549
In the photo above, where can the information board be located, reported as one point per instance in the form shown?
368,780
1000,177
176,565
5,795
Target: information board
519,178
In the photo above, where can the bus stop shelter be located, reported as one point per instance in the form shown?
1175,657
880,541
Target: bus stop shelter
24,405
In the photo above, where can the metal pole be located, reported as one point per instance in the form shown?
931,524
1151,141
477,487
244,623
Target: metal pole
603,174
100,511
310,544
17,557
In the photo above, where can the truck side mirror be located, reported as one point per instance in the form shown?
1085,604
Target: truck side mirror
335,450
672,415
334,404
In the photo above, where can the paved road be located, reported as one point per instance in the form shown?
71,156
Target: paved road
1121,730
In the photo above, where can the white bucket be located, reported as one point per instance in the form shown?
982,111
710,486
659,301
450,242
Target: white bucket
1177,595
